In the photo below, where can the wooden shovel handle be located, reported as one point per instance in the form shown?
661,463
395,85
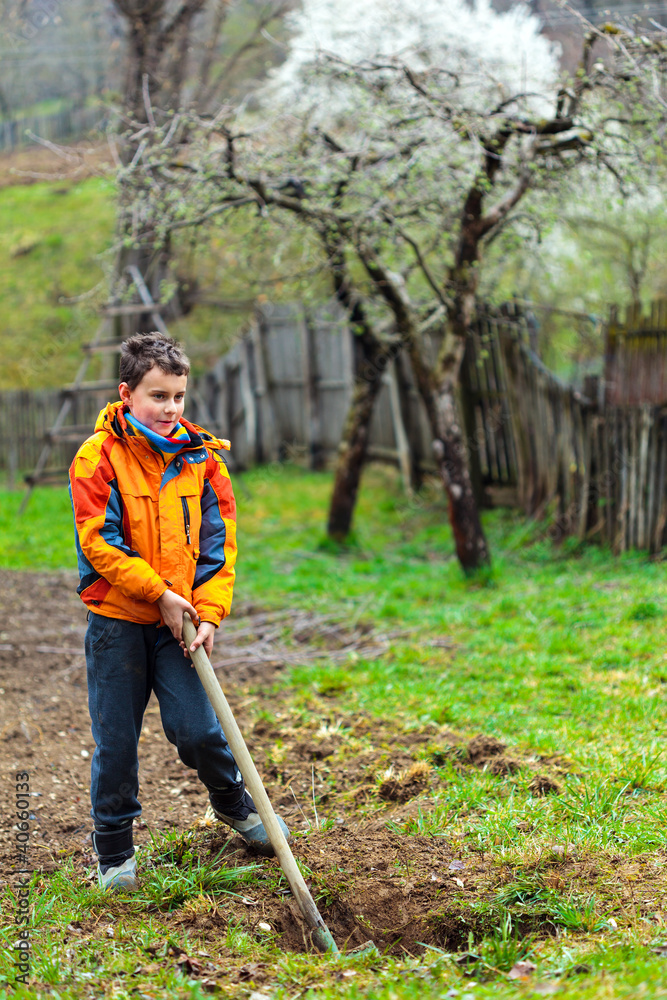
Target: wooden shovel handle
322,935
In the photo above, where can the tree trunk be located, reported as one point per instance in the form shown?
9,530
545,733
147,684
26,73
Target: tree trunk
157,53
451,455
437,387
157,37
411,423
371,357
438,391
352,455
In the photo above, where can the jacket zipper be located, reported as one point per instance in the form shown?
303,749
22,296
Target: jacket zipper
186,518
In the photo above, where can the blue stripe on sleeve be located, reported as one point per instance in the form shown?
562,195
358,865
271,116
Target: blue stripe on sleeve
88,575
212,538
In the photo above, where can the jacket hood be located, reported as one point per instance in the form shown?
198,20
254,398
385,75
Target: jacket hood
112,420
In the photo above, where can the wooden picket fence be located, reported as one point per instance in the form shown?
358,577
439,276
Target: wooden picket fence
26,417
485,408
283,391
285,388
590,466
595,469
636,356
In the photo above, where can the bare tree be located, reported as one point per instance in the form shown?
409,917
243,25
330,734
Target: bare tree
168,75
157,34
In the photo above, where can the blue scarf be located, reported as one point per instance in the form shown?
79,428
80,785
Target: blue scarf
179,437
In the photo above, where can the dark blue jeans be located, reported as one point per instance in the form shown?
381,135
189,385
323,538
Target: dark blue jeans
125,663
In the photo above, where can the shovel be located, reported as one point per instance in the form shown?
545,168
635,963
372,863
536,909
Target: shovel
321,934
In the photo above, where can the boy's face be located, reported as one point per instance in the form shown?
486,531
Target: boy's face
158,400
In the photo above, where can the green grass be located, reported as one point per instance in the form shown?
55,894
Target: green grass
43,538
560,654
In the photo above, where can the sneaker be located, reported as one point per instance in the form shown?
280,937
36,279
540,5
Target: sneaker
243,817
120,877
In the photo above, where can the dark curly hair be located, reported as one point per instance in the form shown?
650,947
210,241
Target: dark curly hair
142,351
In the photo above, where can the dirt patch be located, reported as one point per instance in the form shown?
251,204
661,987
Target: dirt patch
324,764
483,748
32,164
406,784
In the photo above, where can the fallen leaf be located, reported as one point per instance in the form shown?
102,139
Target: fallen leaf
560,850
253,971
147,970
522,970
209,985
192,965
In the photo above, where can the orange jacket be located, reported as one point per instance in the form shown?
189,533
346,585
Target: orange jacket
145,523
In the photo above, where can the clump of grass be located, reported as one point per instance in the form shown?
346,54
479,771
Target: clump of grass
577,913
506,946
644,611
174,872
589,802
524,889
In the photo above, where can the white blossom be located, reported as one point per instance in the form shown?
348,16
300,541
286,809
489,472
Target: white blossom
493,55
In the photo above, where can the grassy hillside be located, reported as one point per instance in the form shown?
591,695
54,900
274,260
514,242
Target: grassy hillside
52,243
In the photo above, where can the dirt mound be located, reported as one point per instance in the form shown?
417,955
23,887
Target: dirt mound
406,784
482,748
542,784
487,752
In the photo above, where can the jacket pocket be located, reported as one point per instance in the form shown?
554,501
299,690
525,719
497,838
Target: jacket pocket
103,633
186,519
140,520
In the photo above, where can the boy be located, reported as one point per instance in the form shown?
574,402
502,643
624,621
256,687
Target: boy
155,528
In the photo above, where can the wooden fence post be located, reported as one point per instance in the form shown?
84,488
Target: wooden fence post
313,396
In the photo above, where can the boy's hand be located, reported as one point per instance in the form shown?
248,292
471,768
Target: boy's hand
171,607
205,635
